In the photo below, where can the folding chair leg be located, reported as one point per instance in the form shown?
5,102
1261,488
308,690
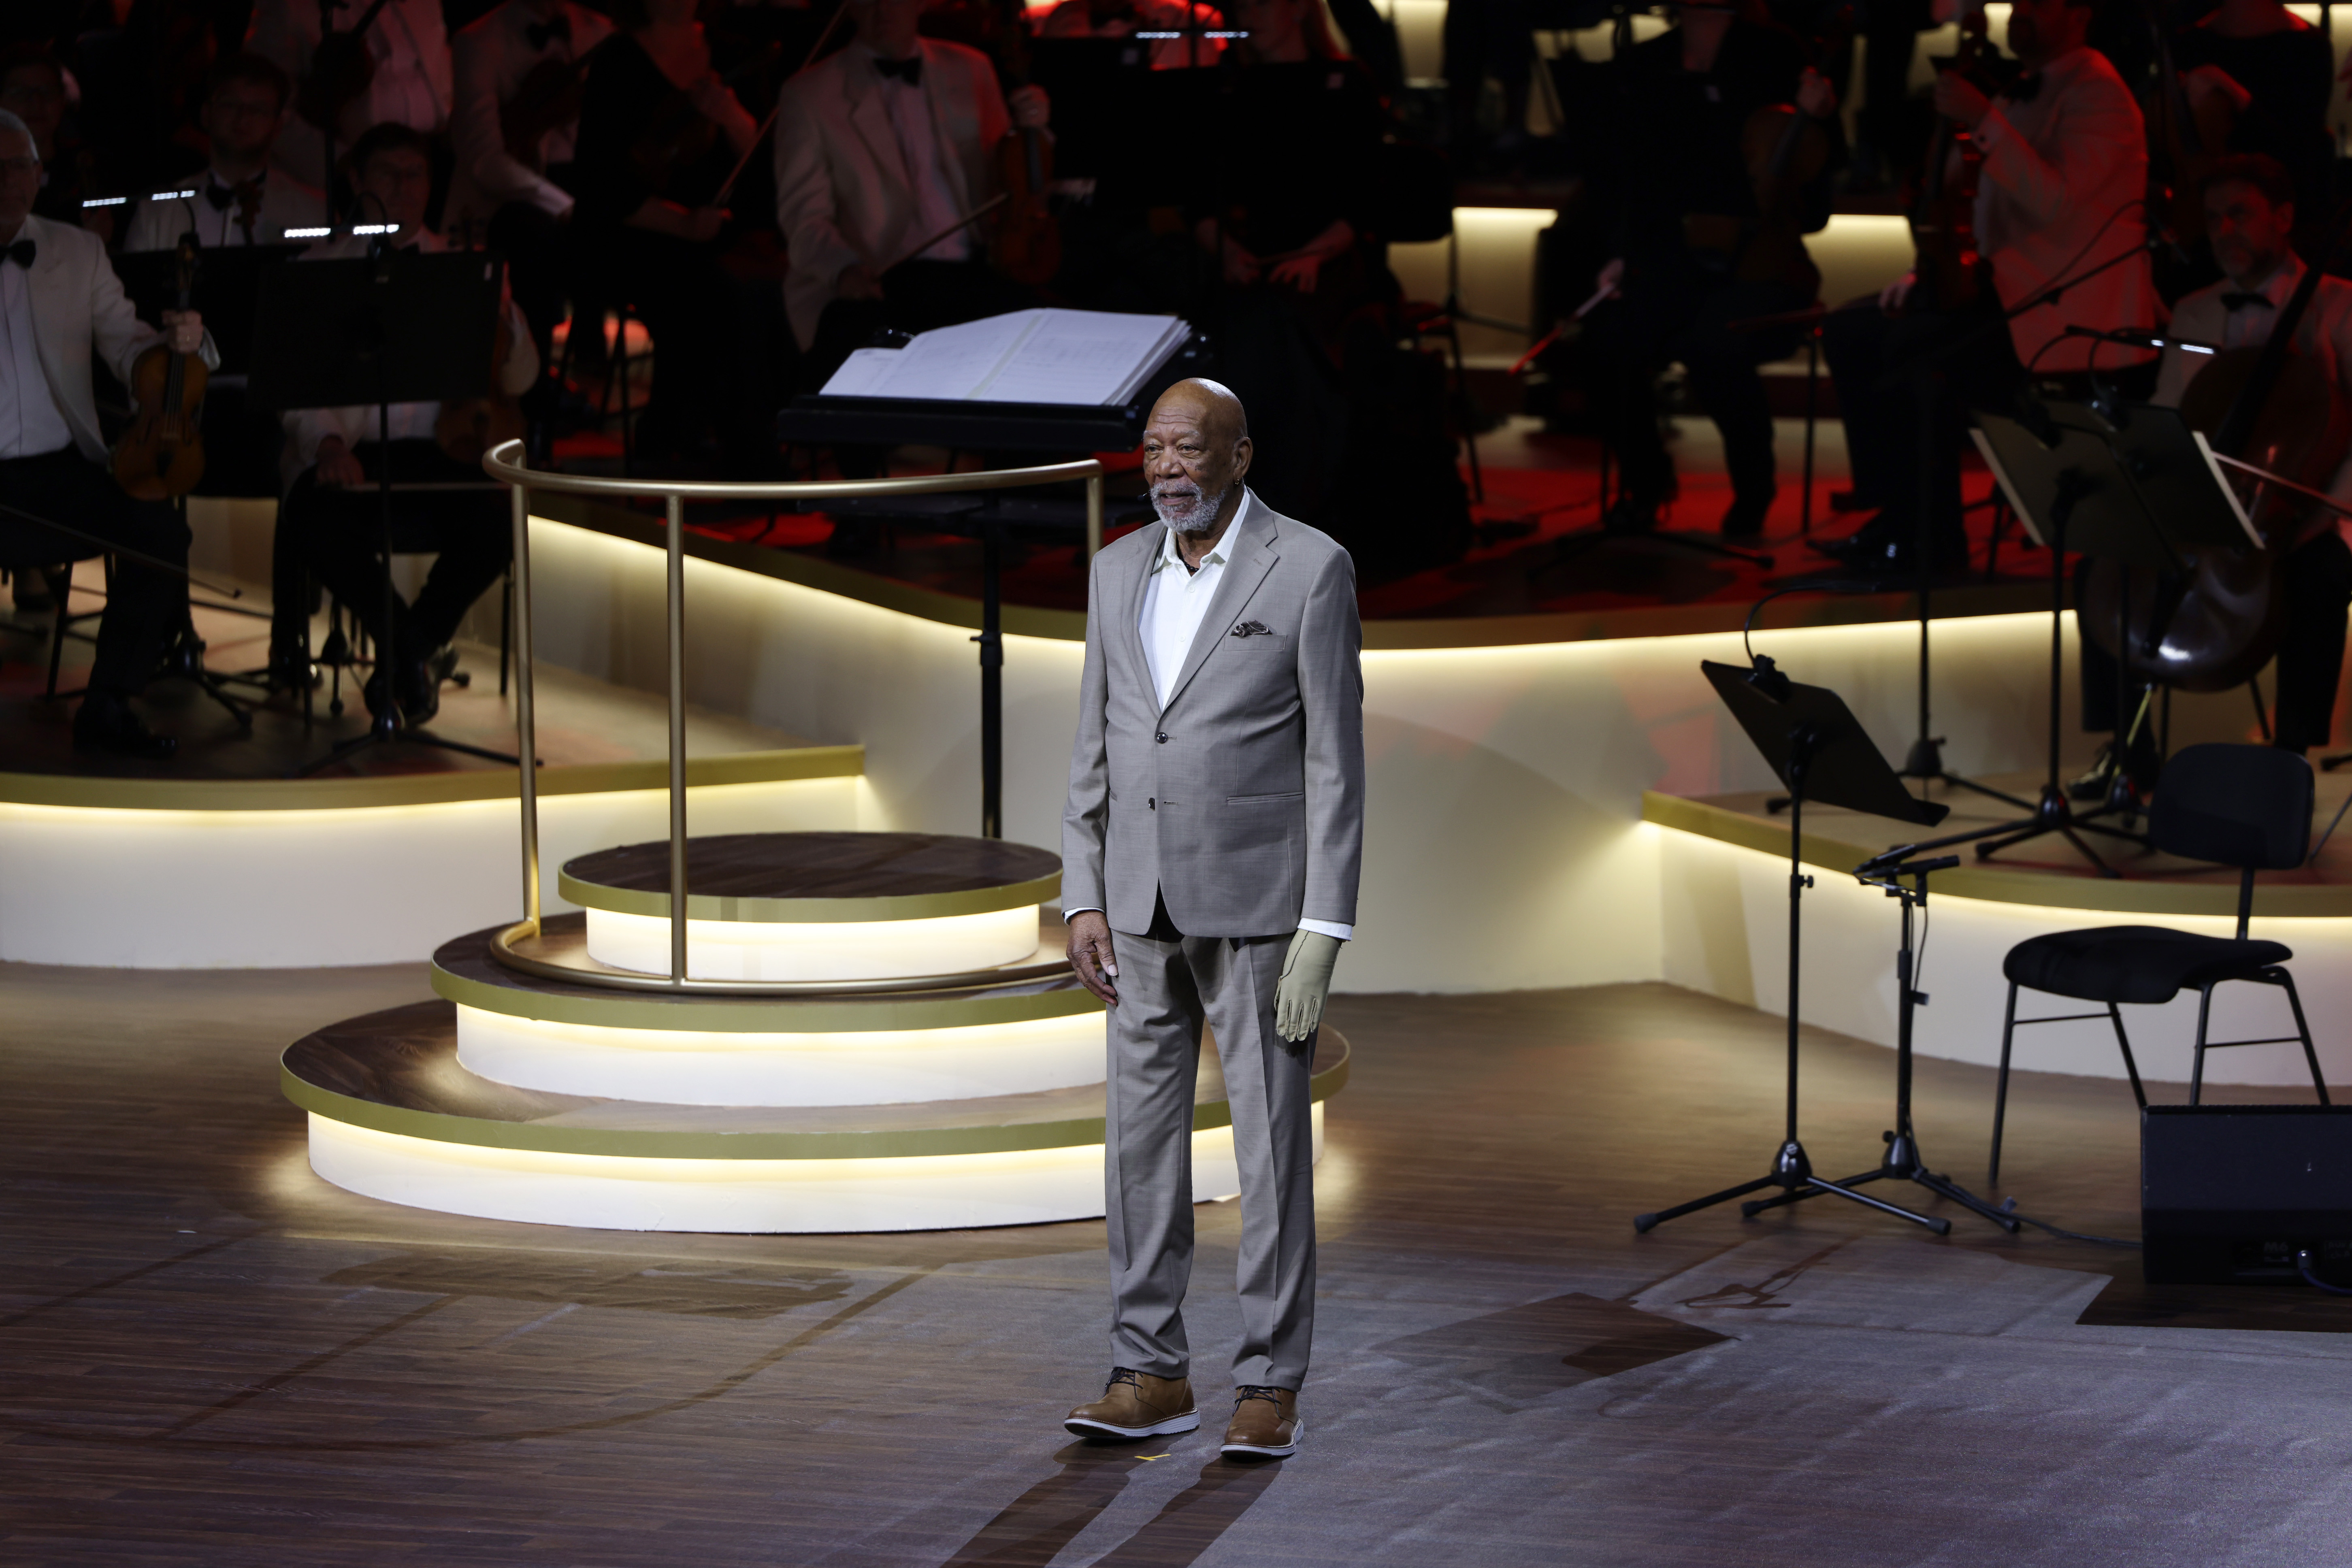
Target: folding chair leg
2130,1066
2303,1028
2197,1068
58,636
506,629
2001,1086
1467,412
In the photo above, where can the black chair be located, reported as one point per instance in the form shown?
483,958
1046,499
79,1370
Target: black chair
2248,806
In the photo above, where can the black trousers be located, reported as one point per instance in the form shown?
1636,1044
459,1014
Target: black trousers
1679,312
144,607
2318,586
336,536
1905,386
697,315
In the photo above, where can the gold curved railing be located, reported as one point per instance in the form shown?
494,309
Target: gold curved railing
505,464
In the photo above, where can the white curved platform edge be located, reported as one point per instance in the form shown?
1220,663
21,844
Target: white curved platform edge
713,1067
607,1193
385,884
833,950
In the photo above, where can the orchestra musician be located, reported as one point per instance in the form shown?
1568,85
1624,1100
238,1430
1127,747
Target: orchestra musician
515,123
1125,18
2250,218
60,300
33,88
238,200
2268,74
879,147
1689,96
2060,198
329,525
659,132
407,80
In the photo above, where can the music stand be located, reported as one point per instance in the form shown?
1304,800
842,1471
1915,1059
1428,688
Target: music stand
398,326
1817,748
2142,491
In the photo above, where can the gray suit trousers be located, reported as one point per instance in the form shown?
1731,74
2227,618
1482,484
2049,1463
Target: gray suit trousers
1165,990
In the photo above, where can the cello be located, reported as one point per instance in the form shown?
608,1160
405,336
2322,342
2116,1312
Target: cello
162,455
2216,626
1784,150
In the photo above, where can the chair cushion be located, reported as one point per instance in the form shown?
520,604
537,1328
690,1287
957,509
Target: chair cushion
2133,963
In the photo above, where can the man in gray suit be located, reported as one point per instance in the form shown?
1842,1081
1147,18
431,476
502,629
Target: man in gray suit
1215,822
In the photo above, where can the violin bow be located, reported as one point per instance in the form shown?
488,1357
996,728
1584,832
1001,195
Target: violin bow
124,551
824,36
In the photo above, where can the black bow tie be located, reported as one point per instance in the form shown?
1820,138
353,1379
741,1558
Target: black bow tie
2246,301
223,197
2024,90
21,253
538,34
909,70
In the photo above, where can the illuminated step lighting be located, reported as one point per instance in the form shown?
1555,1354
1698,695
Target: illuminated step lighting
687,1067
845,950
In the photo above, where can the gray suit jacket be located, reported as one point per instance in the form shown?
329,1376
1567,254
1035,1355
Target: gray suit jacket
1243,804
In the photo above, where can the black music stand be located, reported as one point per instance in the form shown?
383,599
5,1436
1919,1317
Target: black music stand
2143,491
1817,748
396,327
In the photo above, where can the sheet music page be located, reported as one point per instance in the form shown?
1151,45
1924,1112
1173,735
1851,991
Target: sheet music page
863,371
1083,358
1079,357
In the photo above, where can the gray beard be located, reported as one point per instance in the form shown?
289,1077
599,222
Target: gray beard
1198,517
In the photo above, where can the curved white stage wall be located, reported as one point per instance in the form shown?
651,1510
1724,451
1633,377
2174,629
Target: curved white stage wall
376,884
1504,844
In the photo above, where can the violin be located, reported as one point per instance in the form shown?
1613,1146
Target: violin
469,427
2216,626
162,455
1784,150
340,70
678,135
548,98
1026,245
1943,212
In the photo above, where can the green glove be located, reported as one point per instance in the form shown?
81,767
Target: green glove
1305,981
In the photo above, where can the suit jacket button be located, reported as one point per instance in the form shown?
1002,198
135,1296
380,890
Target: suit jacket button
1162,737
1152,804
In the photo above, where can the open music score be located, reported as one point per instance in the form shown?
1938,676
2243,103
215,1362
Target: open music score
1086,358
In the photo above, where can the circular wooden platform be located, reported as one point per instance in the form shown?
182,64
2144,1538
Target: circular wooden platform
395,1115
788,878
465,970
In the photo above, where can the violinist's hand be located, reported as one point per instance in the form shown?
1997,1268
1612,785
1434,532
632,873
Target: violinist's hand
1960,100
1240,268
857,281
184,330
1611,276
1898,294
1029,107
1816,97
336,467
714,101
702,224
2211,84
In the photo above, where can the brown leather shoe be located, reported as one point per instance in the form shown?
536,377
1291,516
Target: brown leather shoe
1266,1423
1136,1405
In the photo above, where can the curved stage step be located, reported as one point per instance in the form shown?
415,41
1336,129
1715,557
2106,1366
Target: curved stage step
395,1115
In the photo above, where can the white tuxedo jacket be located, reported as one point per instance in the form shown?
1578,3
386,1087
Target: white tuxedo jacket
285,202
79,306
843,192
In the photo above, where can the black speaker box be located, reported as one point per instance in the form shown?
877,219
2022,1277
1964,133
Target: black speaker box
2230,1194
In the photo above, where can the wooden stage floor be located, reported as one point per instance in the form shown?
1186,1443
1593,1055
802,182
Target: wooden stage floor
209,1356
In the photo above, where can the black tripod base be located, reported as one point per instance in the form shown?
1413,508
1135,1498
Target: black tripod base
1794,1174
1903,1163
388,730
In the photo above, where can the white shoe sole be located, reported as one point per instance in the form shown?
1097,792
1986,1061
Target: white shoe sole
1188,1422
1271,1450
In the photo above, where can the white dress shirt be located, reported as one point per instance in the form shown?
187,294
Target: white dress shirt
491,58
413,83
31,423
1175,601
918,147
285,202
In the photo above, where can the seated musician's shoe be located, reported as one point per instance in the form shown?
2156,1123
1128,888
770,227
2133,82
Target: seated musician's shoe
291,668
420,691
1896,561
1864,541
1265,1424
1744,520
1136,1405
1629,516
107,722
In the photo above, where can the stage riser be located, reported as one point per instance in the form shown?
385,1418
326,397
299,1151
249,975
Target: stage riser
887,1068
800,1196
230,889
1724,918
1505,784
869,950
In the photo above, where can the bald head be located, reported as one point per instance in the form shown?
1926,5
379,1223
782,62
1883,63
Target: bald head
1196,450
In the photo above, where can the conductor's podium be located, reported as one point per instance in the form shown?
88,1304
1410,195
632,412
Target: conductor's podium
876,1033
